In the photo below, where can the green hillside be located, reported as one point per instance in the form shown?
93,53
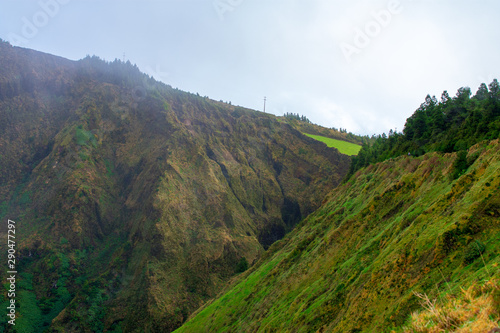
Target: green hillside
395,228
344,147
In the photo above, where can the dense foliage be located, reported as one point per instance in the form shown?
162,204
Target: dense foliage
448,125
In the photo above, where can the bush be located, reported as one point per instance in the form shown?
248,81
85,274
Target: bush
473,251
242,265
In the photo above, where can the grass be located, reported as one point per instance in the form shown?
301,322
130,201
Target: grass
474,310
344,147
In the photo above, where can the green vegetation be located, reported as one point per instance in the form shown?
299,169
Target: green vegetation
242,265
344,147
82,137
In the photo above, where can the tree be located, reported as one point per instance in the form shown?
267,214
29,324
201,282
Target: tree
482,92
495,89
463,94
445,97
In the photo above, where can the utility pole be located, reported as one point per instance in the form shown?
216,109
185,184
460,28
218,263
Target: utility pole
264,104
124,57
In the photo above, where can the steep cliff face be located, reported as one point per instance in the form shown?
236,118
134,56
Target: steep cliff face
396,228
136,202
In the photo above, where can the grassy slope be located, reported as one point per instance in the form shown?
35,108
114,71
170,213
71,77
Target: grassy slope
305,127
343,146
396,227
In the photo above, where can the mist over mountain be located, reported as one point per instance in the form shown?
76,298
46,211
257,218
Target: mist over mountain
136,202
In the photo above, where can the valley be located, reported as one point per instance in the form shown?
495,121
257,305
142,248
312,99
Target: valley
143,208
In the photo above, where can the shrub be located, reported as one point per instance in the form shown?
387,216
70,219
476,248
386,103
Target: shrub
473,251
242,265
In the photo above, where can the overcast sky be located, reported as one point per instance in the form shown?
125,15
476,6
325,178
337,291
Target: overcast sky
361,65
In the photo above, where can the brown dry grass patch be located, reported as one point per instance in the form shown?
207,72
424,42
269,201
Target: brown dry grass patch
474,310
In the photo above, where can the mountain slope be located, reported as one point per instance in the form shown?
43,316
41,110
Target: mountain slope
397,227
136,202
